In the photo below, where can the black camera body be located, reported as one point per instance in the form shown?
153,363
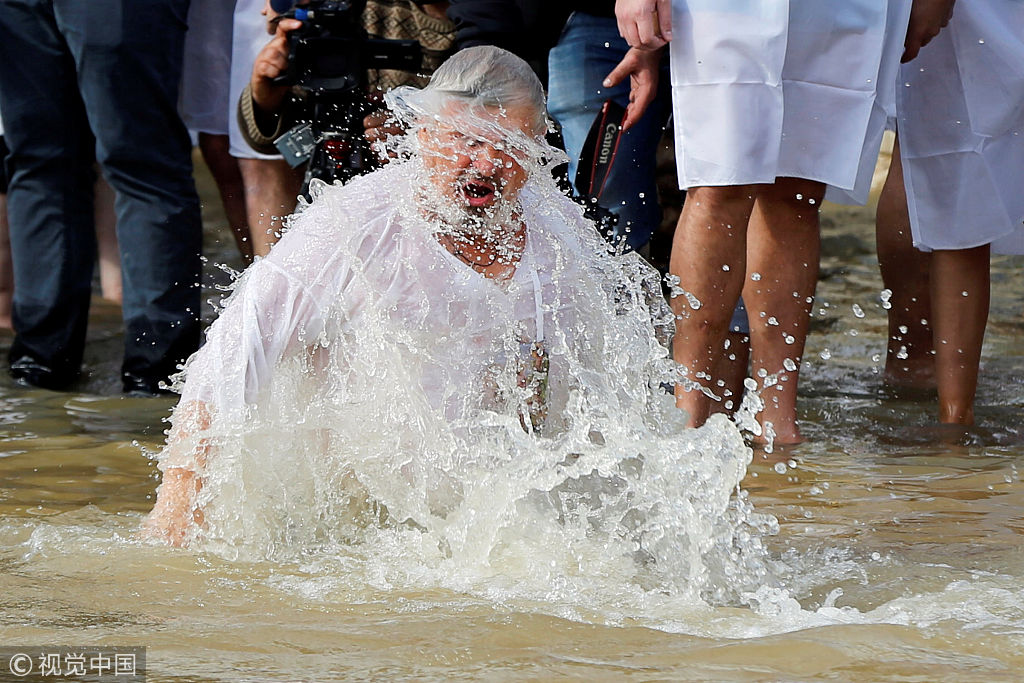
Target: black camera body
328,59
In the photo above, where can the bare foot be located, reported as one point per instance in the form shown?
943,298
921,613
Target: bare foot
778,453
783,435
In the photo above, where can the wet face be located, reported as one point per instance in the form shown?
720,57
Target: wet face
474,166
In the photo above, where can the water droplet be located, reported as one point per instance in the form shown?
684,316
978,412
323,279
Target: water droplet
780,467
981,42
876,556
725,267
858,311
902,353
964,293
755,276
790,339
825,354
773,321
903,329
750,383
789,364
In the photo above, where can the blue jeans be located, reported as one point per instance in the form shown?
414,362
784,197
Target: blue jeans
588,49
98,81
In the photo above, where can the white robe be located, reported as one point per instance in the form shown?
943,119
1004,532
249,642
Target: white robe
763,89
361,377
359,294
961,129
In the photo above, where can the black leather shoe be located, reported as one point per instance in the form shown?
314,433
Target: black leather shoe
140,386
29,372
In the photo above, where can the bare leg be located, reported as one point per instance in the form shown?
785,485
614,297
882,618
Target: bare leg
224,169
106,240
709,258
783,249
731,370
271,189
960,301
6,267
909,361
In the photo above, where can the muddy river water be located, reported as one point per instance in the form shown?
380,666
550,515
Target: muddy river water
899,545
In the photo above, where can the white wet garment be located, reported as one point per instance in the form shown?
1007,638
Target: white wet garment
763,89
361,344
961,129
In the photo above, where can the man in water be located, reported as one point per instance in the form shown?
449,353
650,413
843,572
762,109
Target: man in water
451,300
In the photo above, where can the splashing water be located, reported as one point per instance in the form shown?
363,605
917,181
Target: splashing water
372,396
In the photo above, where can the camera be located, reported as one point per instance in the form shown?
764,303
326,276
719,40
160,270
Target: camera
328,59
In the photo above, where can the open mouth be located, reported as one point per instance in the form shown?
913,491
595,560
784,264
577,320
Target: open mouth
478,192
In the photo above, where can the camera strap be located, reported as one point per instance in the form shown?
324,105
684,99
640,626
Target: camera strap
599,150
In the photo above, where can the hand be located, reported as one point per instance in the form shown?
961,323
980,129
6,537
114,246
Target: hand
271,62
270,15
642,67
927,18
175,510
436,9
645,24
378,127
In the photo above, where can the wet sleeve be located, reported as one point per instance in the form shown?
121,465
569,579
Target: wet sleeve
270,315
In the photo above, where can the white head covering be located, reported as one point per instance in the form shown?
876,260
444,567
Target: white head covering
486,84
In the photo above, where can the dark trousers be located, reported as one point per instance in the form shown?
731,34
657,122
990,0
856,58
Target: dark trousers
97,80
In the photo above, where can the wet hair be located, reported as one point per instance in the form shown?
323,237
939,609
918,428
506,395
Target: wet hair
483,76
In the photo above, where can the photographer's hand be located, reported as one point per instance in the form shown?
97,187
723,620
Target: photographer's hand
271,62
379,126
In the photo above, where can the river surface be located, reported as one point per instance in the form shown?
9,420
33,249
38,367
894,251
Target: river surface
899,544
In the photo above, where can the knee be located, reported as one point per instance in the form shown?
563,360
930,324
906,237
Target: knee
723,198
795,192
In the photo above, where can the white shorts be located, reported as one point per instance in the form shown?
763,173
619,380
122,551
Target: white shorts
961,127
763,89
249,37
